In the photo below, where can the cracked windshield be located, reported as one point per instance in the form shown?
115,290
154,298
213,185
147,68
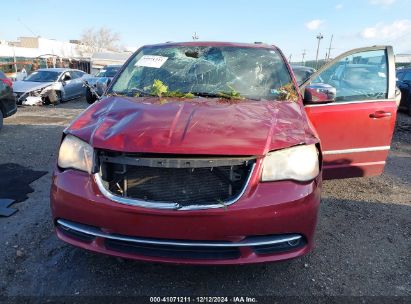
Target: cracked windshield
224,72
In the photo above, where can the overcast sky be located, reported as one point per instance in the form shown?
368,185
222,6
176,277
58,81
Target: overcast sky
291,25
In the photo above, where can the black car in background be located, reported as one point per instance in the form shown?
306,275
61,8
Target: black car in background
97,85
302,73
404,84
7,99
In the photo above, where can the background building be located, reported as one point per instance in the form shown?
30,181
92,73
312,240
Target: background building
31,53
403,60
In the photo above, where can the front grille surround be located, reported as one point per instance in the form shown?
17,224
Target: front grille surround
192,199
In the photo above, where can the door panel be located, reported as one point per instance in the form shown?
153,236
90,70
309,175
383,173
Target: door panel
68,89
356,130
353,143
65,88
71,86
78,83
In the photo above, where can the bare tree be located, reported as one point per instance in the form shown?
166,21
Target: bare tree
98,40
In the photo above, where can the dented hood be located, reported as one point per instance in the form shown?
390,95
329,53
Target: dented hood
195,126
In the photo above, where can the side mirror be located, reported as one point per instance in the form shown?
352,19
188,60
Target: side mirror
319,93
63,83
65,78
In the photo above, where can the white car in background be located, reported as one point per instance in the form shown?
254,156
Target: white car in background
52,85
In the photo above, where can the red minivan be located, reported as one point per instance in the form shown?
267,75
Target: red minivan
209,152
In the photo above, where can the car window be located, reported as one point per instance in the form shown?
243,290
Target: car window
258,73
76,74
400,75
302,74
73,74
359,76
43,76
108,72
407,77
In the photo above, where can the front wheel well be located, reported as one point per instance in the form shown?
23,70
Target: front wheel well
52,97
320,155
2,110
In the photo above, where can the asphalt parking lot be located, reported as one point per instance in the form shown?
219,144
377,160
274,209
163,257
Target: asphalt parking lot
363,241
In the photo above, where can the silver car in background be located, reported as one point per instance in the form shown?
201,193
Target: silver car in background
53,85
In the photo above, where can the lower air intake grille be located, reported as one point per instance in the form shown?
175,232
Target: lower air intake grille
176,252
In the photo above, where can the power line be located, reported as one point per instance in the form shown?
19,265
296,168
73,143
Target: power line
27,28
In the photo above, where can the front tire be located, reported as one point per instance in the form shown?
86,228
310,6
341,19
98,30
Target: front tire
90,97
53,97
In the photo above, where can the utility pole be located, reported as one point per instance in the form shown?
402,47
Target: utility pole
329,48
303,54
289,57
319,37
14,59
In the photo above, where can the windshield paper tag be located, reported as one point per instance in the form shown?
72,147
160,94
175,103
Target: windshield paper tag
151,61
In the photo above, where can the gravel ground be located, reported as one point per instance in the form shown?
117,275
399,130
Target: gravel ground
363,240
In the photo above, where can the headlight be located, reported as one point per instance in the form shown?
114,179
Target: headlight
75,153
297,163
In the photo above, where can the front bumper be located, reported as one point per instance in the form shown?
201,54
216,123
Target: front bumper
270,213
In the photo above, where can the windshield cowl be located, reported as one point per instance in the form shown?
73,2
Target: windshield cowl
197,99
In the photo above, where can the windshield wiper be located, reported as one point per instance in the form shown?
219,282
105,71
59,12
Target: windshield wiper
133,92
225,95
116,94
206,94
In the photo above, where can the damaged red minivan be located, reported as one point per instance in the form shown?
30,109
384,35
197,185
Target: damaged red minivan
209,152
